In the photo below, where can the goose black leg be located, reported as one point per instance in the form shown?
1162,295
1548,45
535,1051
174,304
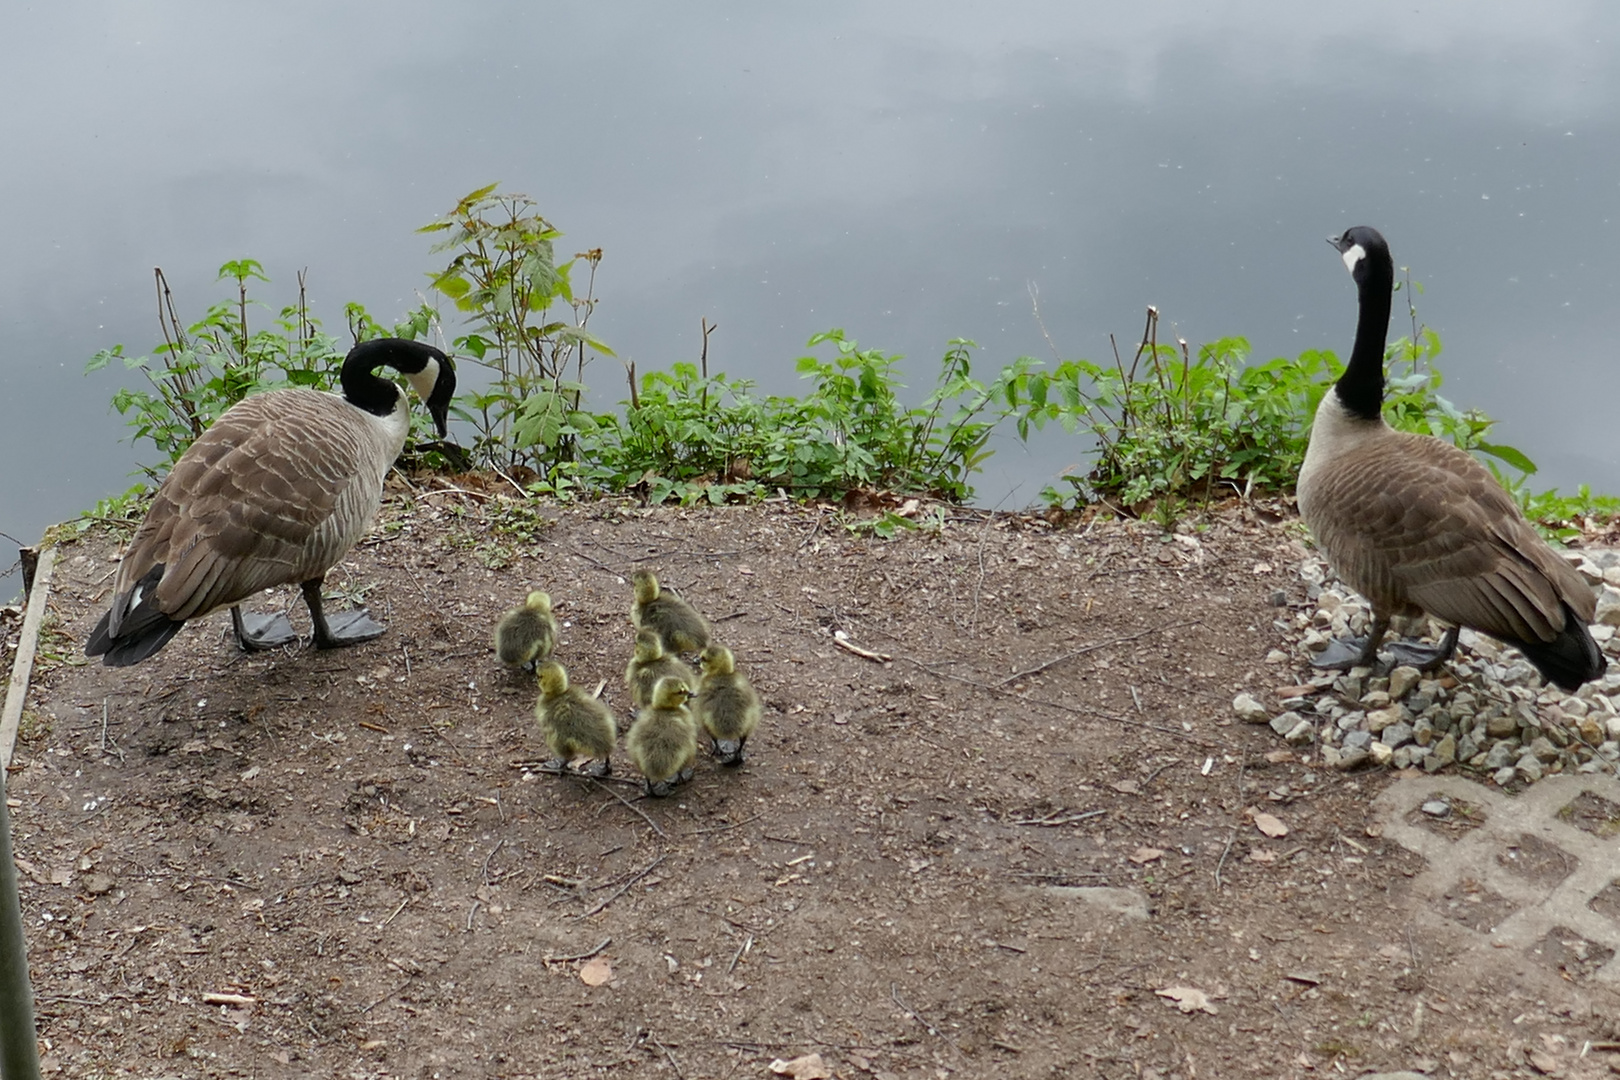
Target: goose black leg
348,628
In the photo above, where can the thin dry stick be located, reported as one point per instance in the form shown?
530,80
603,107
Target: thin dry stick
396,911
408,980
672,1063
631,805
978,584
738,955
622,889
483,871
721,828
1076,710
1231,836
605,942
894,993
1037,669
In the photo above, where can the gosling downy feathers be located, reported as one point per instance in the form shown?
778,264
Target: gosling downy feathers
663,740
527,634
1416,525
726,705
275,492
573,723
677,622
651,663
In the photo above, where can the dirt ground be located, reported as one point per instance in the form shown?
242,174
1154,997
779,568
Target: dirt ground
1026,844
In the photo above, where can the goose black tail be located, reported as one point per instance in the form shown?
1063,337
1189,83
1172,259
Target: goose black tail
1570,659
142,631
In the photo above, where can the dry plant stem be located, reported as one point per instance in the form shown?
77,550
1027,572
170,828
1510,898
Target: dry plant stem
408,980
622,889
1231,836
894,993
672,1062
650,822
865,654
1094,647
604,943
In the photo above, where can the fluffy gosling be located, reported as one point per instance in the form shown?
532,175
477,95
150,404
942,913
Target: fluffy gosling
663,740
574,723
726,705
526,635
650,664
678,624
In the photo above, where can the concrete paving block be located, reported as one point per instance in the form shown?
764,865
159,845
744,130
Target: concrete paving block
1539,906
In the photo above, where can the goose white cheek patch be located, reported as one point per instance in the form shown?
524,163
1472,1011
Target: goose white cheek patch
1353,256
423,381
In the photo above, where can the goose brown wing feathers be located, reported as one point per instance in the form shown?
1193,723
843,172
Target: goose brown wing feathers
253,504
1418,523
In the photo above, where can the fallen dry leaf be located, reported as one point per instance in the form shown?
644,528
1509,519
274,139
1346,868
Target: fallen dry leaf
1146,855
1127,787
808,1067
1187,999
1260,855
596,972
1271,825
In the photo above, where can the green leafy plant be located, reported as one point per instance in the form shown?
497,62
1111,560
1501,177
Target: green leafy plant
205,367
504,275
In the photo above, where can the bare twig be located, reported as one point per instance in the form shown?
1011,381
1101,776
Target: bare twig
1231,836
408,980
604,943
483,871
721,828
622,889
1055,819
1094,646
396,911
631,805
894,993
844,643
738,955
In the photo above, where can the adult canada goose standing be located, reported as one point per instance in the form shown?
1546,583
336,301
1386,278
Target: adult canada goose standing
275,492
1417,525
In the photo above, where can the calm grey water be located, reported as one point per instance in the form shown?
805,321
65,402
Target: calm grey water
907,171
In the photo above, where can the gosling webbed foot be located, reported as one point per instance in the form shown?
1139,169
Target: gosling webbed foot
662,789
255,633
601,768
556,765
728,751
685,774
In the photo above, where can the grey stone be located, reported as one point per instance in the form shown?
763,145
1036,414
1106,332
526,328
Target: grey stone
1249,710
1529,769
1445,751
1503,776
1402,680
1285,722
1396,735
1438,808
1357,739
1351,758
1501,754
1379,719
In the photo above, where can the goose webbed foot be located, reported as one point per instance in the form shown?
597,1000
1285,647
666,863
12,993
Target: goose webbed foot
556,765
1424,657
601,768
1342,654
255,633
347,628
728,751
662,788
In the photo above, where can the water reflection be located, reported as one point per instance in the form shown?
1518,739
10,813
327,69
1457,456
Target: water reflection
905,172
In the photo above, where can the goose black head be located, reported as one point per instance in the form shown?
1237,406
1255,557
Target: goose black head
430,372
1357,243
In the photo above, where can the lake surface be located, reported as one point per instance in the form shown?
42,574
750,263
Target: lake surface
907,171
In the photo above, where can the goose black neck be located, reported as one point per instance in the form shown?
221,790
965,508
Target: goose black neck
364,388
1361,387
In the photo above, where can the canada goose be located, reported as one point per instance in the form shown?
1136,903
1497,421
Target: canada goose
678,624
651,663
275,492
726,705
663,740
1417,525
573,723
527,634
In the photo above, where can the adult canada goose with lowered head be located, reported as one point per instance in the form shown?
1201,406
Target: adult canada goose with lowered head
1417,525
275,492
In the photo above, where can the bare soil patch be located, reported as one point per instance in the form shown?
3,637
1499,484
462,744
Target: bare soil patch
337,864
